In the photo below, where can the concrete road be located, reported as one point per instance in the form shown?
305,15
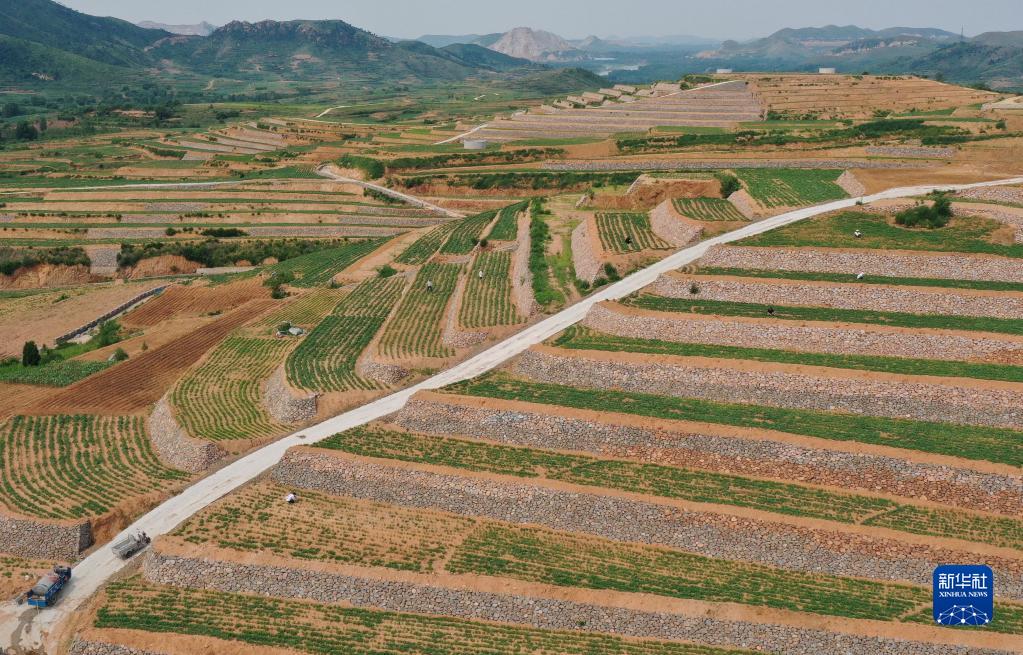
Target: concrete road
27,628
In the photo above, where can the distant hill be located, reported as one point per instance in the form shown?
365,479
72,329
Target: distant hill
105,40
45,43
202,29
1000,39
441,40
534,45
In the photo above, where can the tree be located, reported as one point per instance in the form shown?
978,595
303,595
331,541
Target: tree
43,124
119,355
729,184
10,110
30,354
26,131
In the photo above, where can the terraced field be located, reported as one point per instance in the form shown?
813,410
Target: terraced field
427,245
708,209
487,300
672,482
623,233
319,268
506,226
68,467
326,359
792,187
220,400
416,328
467,233
136,605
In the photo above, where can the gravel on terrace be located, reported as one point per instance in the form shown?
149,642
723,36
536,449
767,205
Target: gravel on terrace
885,263
873,297
540,427
799,336
691,378
611,517
537,612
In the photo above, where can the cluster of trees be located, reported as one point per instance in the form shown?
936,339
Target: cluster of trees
464,159
536,180
213,253
930,216
11,259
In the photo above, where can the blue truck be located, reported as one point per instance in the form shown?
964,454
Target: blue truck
44,593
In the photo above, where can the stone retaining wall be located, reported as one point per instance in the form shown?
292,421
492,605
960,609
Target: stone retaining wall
175,446
799,336
453,335
850,184
916,152
522,277
621,519
962,405
42,540
886,263
543,613
284,403
89,647
745,203
1012,194
703,450
873,297
120,309
584,259
670,226
716,164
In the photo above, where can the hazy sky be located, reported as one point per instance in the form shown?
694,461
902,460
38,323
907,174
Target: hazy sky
578,18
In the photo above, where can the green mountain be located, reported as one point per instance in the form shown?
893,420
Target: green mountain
481,57
105,40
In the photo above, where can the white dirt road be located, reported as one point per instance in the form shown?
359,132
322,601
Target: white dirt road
29,628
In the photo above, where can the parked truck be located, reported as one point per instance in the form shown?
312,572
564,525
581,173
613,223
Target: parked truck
130,545
44,593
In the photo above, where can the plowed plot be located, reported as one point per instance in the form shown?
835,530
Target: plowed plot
487,300
426,245
65,467
220,400
195,300
329,629
46,315
140,381
326,358
792,187
335,529
708,209
416,328
622,233
318,268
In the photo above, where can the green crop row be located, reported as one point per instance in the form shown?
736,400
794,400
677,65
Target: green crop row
487,300
299,625
975,234
59,373
507,226
578,338
66,467
425,246
967,441
983,285
318,268
784,187
827,314
674,482
326,359
467,234
708,209
416,329
221,399
621,233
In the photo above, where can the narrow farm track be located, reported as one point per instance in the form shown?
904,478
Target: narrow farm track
32,629
330,172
